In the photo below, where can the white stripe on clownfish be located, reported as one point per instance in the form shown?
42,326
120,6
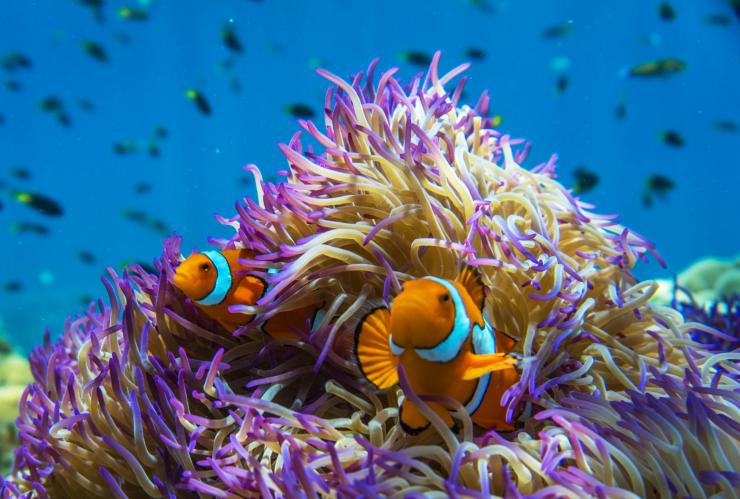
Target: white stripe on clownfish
222,283
484,342
450,347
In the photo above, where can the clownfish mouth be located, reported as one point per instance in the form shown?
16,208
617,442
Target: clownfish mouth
181,278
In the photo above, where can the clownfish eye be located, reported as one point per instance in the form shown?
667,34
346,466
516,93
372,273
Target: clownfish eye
445,297
205,267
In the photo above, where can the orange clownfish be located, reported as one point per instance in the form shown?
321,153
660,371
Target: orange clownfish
210,279
436,329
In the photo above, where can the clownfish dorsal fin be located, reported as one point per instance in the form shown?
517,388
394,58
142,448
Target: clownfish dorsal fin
470,279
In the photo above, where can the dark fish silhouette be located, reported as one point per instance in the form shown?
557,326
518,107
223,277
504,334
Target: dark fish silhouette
557,31
231,40
300,110
133,14
39,202
673,138
586,180
21,173
124,148
29,228
725,126
656,186
620,112
13,287
476,54
86,257
13,85
416,57
94,50
666,11
199,100
561,85
145,220
142,188
96,7
660,68
718,20
13,61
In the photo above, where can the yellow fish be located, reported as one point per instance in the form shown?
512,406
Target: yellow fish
435,328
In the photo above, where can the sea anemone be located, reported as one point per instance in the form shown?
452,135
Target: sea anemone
144,396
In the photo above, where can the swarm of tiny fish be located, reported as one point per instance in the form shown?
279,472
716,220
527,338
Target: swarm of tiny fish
142,398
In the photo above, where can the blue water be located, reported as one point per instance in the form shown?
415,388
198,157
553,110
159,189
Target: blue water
198,173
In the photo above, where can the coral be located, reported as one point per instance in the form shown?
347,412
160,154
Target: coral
145,397
708,280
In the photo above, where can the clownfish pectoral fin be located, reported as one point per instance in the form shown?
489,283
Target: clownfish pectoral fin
412,420
373,350
476,365
249,290
472,281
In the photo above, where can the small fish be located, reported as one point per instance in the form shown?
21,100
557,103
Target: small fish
215,280
300,110
735,4
145,220
437,330
21,173
94,50
620,112
200,101
725,126
416,58
133,14
124,148
13,61
666,11
63,118
718,20
142,188
153,150
13,287
86,105
476,54
86,257
660,68
51,104
557,31
39,202
231,40
29,228
561,85
13,85
586,180
160,133
658,186
672,138
95,6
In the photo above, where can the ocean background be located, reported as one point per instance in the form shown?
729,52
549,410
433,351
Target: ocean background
152,63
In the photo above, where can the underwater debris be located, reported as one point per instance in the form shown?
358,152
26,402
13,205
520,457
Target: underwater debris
200,101
146,399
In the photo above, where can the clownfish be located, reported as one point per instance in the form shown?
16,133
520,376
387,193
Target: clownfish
214,281
436,329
